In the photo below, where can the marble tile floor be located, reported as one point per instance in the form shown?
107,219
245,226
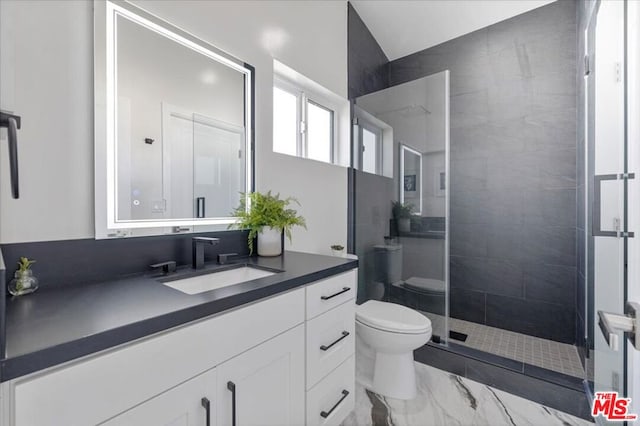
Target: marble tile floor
555,356
447,399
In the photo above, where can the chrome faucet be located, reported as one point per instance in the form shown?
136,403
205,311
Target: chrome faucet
197,246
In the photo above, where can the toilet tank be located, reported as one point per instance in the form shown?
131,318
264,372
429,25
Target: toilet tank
388,263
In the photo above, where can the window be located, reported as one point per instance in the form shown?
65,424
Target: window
285,122
370,148
369,151
302,125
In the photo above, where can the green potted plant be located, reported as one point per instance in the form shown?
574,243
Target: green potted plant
23,282
402,214
266,217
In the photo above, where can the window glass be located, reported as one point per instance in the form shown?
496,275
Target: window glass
319,132
285,122
369,151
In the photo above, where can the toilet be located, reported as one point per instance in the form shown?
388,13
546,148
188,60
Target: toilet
386,336
388,333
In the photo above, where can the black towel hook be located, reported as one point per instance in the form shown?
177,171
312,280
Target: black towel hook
12,123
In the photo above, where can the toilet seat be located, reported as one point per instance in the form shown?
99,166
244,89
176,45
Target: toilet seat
392,317
425,285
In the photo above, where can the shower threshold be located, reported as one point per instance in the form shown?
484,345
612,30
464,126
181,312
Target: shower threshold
555,356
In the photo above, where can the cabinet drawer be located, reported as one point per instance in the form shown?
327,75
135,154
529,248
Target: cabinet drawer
330,401
331,292
330,341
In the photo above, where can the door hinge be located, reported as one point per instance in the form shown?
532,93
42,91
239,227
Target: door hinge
626,176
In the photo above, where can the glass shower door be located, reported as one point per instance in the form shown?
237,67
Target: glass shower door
401,197
609,180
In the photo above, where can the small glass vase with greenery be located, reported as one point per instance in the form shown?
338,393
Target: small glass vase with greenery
266,217
337,250
23,281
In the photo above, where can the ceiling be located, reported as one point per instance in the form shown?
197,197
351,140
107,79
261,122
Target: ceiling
402,27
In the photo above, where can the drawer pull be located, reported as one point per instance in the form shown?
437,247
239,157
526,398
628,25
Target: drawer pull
326,348
232,387
326,414
344,290
207,407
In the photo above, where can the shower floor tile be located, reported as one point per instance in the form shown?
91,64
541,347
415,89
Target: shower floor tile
555,356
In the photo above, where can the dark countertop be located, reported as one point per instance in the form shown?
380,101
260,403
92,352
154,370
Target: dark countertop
50,327
434,235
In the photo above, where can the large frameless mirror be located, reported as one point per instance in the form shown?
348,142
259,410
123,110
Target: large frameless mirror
173,127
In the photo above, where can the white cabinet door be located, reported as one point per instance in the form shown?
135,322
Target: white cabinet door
265,385
190,404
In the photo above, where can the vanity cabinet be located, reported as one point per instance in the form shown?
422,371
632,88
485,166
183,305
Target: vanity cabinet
190,404
265,385
259,364
262,386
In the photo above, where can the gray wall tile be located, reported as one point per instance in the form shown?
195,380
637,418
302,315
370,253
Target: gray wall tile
550,283
367,64
514,169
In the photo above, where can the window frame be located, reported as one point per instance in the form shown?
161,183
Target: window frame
303,98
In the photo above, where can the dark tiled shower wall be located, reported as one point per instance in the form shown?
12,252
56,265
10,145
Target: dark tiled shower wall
367,63
513,169
373,197
370,195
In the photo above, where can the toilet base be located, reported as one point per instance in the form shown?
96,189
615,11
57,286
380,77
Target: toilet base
395,375
389,375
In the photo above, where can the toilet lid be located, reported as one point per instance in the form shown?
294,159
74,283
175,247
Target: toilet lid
425,284
392,317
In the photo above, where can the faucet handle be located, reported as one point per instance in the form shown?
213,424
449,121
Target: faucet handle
224,257
167,267
206,240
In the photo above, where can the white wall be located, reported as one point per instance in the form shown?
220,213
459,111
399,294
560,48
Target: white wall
46,55
47,77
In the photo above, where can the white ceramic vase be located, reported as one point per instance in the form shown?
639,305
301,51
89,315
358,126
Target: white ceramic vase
270,242
404,225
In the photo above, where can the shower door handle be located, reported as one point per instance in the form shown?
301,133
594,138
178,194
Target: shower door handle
610,324
597,207
12,123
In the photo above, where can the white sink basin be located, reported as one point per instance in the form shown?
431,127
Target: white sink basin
216,280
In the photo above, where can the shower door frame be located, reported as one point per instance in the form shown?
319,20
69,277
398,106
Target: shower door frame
624,364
